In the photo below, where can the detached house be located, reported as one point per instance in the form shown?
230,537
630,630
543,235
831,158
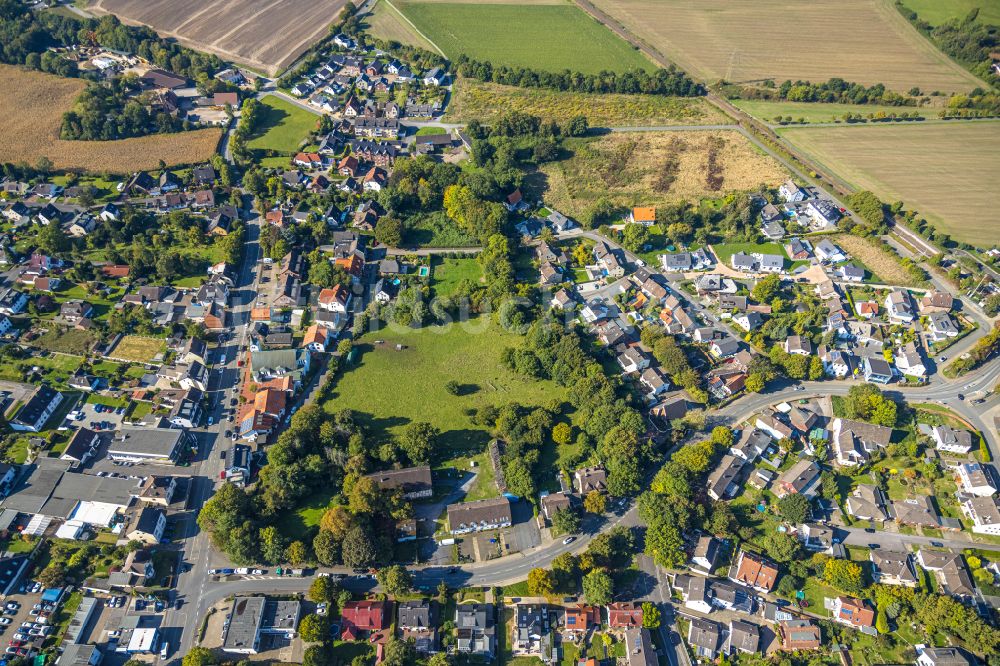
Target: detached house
898,307
754,571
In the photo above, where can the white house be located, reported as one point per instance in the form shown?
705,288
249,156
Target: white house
898,306
951,440
984,512
909,361
826,250
790,192
978,479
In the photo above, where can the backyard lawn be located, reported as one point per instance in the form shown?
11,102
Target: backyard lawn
723,252
139,349
449,273
283,126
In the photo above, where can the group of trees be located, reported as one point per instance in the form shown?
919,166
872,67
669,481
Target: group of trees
834,90
968,40
116,110
866,402
669,81
674,361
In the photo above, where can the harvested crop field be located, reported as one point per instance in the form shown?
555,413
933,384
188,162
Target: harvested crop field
946,172
540,35
874,255
385,22
488,101
33,104
654,168
264,34
867,41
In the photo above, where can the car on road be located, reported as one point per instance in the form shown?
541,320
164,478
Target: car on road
960,396
211,420
233,402
165,650
937,544
870,530
873,546
568,540
321,608
228,434
259,572
942,359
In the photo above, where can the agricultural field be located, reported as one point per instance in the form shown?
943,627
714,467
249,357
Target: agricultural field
946,172
283,126
655,168
548,35
138,349
867,41
385,22
937,12
822,113
266,36
33,104
488,101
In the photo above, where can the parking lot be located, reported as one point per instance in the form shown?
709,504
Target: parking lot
98,417
23,625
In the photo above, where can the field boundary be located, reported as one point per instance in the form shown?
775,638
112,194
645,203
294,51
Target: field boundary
415,28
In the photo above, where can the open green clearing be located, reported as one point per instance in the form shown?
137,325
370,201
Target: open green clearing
946,172
540,36
821,113
389,388
725,251
449,273
937,12
283,126
138,348
486,102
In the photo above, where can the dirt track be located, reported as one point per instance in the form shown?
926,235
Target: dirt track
266,35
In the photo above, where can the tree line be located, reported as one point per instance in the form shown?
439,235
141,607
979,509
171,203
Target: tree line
967,40
663,81
833,90
105,112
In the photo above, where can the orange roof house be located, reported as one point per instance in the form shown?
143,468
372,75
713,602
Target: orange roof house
352,264
115,271
853,612
754,570
315,338
358,616
260,314
581,617
624,615
270,401
276,217
643,215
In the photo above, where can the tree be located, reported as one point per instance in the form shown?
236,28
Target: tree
844,575
722,436
272,545
766,288
781,547
323,589
754,382
396,580
316,655
389,231
53,575
400,653
650,615
199,656
418,440
566,521
882,622
358,549
598,588
453,387
541,583
314,628
562,433
635,236
816,371
595,502
297,553
665,544
794,508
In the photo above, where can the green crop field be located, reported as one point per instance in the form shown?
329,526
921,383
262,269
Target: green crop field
937,12
550,37
385,22
867,41
822,113
946,172
283,126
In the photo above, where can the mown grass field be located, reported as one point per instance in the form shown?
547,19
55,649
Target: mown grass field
488,101
385,22
822,113
867,41
946,172
632,169
32,106
390,388
449,273
138,348
937,12
283,127
543,36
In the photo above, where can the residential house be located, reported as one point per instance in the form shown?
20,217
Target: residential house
644,215
867,502
979,479
790,192
754,571
853,612
944,656
950,570
82,446
414,482
532,632
773,230
705,638
984,512
916,511
487,514
417,620
827,251
942,326
892,568
950,440
364,616
823,213
744,637
797,344
898,307
475,629
147,526
706,553
801,478
876,370
854,441
851,273
590,479
723,481
624,615
936,302
336,299
909,362
35,411
799,634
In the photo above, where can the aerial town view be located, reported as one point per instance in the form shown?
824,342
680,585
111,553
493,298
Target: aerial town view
500,332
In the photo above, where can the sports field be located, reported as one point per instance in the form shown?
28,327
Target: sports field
946,172
488,101
867,41
32,105
937,12
546,35
822,113
655,168
283,127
